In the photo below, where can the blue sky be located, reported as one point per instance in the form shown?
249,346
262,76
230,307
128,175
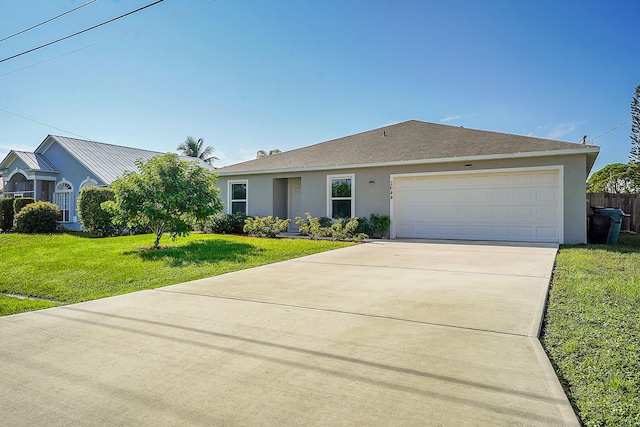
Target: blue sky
247,75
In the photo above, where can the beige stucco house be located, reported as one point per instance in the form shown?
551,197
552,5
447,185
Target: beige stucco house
435,181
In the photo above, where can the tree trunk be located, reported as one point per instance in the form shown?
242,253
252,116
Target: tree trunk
157,242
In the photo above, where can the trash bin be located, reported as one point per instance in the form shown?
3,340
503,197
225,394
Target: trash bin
599,229
616,215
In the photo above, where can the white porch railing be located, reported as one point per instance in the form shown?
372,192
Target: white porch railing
17,194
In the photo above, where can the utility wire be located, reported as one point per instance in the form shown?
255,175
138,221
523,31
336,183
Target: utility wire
47,21
43,124
111,38
80,32
609,131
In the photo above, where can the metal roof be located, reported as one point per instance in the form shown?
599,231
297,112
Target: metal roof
106,161
35,161
408,142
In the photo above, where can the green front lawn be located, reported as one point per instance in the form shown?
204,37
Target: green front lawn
70,268
592,330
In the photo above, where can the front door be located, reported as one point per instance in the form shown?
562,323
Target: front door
294,203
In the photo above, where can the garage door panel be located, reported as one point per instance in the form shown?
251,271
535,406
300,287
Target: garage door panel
547,197
549,179
549,233
487,206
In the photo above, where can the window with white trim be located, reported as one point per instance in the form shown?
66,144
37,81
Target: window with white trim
89,182
237,197
341,196
63,198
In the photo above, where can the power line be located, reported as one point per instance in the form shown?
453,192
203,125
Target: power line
80,32
111,38
41,123
609,131
47,21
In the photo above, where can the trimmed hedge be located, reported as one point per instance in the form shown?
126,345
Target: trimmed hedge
21,202
93,218
6,214
39,217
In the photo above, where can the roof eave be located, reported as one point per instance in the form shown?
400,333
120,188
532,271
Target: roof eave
591,152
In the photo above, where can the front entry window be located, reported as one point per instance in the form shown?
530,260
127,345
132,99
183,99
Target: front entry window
238,197
62,197
341,196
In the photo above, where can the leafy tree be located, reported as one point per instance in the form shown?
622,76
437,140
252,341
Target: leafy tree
263,153
195,148
634,155
615,178
166,195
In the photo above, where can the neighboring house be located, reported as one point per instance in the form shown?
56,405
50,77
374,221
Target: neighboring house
435,181
60,167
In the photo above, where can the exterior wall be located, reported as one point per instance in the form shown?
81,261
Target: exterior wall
72,171
372,187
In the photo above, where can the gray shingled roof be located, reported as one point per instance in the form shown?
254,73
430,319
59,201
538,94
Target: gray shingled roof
35,161
411,141
106,161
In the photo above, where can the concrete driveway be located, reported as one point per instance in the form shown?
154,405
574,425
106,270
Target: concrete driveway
386,333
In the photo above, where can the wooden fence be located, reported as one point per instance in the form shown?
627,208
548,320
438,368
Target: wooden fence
629,203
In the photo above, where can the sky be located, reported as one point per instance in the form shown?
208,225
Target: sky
249,75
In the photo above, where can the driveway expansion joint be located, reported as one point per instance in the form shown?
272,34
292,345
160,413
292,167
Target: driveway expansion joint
351,313
448,270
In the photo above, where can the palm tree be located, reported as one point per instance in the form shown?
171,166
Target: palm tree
262,153
192,148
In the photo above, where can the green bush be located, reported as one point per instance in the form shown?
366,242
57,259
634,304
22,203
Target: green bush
312,227
379,225
347,230
225,224
93,217
265,227
39,217
339,230
21,202
6,214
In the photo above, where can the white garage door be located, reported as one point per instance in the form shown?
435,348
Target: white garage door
509,206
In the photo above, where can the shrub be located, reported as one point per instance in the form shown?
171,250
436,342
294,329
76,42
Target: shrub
6,214
363,225
379,225
225,223
347,230
93,217
40,217
312,227
339,230
265,227
21,202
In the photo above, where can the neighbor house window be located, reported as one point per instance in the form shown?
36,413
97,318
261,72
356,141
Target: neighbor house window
89,182
238,197
63,198
341,196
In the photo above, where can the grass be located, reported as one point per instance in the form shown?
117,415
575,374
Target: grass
13,305
592,330
70,268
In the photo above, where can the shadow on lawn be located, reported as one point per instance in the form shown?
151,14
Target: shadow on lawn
627,243
199,252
